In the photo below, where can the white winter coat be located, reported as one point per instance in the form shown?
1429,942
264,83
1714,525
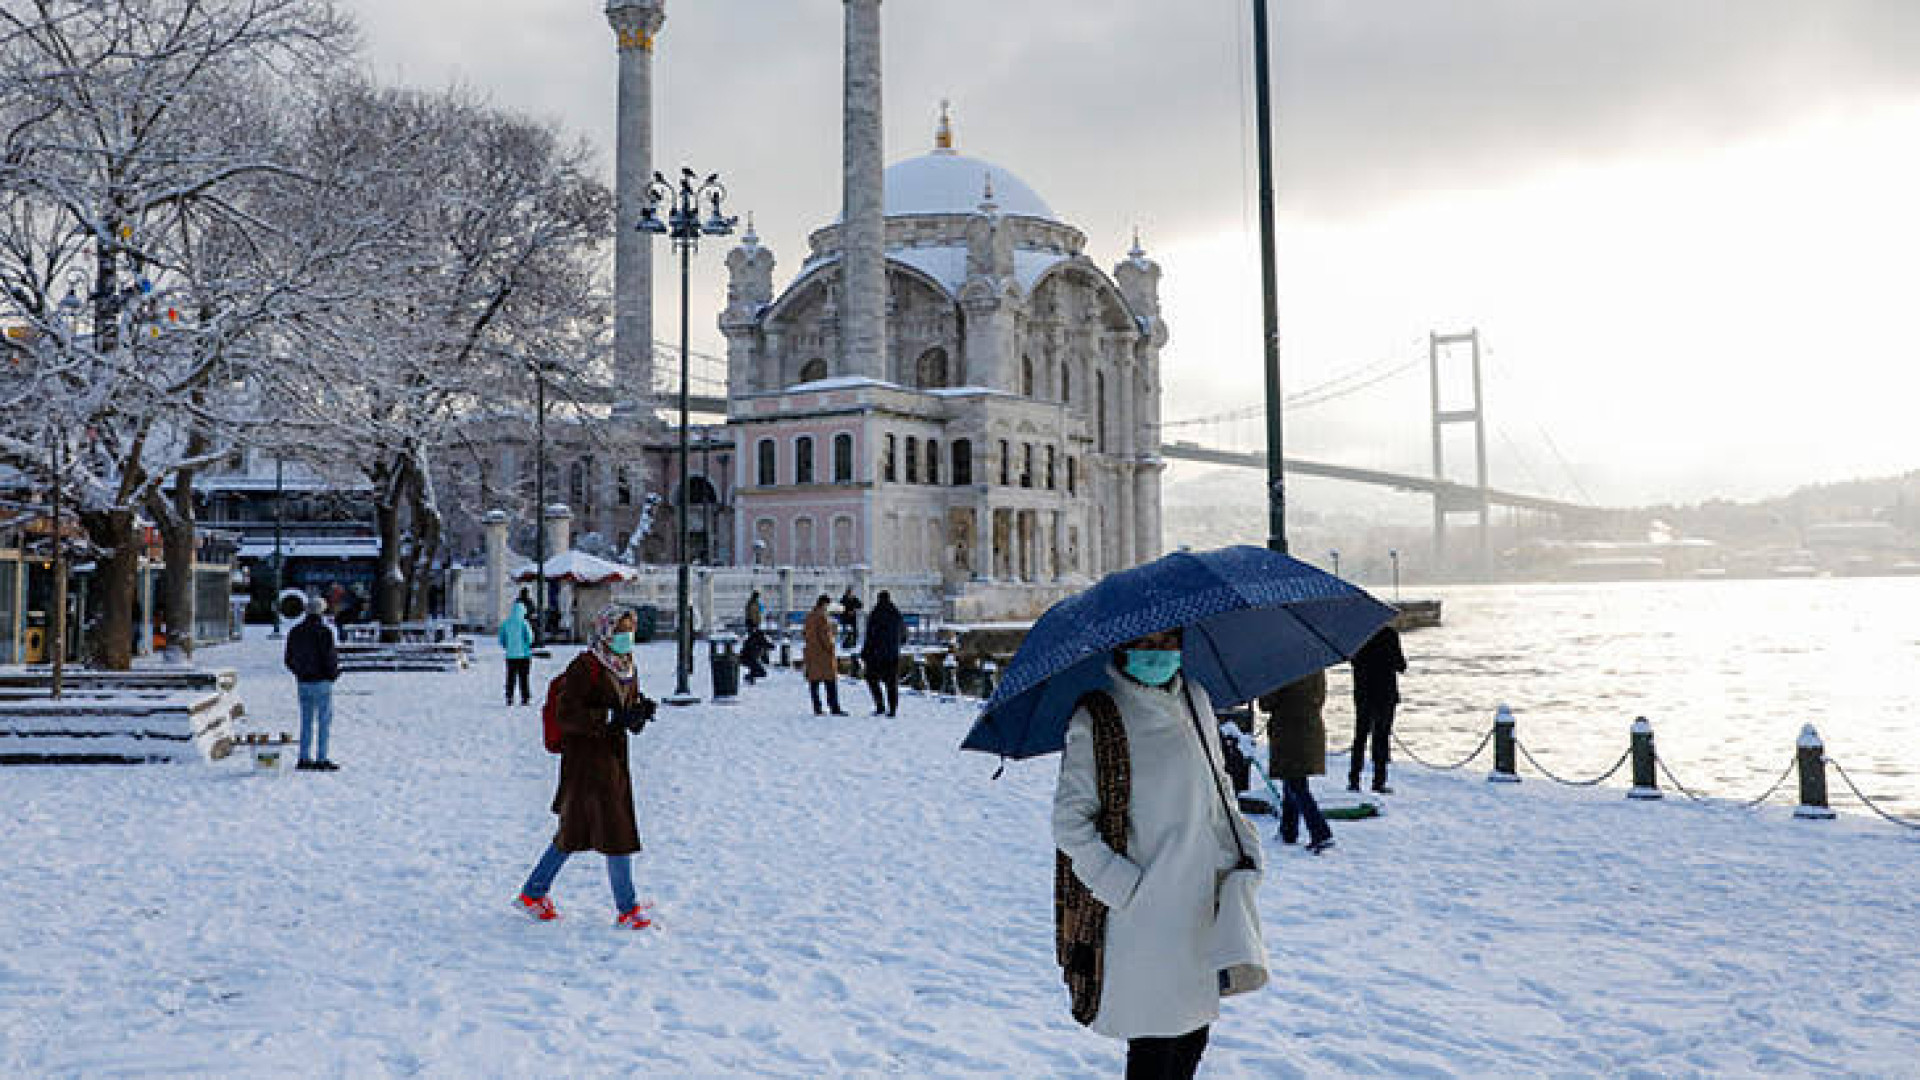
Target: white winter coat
1164,951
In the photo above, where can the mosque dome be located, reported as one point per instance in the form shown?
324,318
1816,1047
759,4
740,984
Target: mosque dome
946,182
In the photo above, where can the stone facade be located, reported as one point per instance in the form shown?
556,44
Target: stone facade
1008,440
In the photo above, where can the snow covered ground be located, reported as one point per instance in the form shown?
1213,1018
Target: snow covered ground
853,896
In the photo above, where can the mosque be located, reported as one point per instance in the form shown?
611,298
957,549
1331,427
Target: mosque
948,391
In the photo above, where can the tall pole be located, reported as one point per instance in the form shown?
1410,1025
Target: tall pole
1276,476
683,629
540,503
279,527
59,578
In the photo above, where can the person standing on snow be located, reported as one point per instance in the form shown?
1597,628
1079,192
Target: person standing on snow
886,629
1376,691
850,618
313,658
1157,857
598,701
819,658
1297,750
755,612
516,640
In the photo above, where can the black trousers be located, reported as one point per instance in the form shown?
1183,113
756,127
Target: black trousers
1177,1058
1372,722
833,693
883,675
517,671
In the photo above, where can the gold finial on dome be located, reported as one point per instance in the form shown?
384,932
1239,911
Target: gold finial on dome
943,136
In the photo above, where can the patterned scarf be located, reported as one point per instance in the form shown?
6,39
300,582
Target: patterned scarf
620,667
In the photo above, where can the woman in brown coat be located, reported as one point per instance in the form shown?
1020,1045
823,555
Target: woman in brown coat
819,658
597,701
1297,741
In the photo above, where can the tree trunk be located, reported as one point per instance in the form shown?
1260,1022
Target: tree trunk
115,579
389,589
177,537
426,547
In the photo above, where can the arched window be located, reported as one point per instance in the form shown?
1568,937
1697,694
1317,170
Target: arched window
813,370
1006,463
577,484
1026,465
1050,456
962,463
767,465
930,371
1026,376
1073,480
623,486
843,458
803,460
1066,383
700,492
913,460
886,462
933,461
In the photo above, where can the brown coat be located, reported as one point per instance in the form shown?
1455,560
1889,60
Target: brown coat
595,797
819,655
1296,733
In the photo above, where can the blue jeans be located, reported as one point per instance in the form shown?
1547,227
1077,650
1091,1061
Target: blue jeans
316,718
619,875
1297,803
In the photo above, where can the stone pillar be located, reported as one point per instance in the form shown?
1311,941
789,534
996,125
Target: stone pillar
498,590
703,597
1058,539
983,540
1146,509
635,23
1121,522
559,529
786,596
863,231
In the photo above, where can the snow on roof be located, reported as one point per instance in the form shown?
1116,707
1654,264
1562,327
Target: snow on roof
841,382
948,265
579,567
949,183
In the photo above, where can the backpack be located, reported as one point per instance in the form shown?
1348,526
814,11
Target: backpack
1080,920
550,716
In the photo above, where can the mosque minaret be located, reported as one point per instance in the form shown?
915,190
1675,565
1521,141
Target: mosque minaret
635,25
863,298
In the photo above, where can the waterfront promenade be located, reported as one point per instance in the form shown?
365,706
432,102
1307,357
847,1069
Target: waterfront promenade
853,896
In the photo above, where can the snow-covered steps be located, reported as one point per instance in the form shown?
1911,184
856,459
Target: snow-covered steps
359,656
124,717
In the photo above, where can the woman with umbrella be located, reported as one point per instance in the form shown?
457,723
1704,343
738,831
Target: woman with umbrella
1157,876
1160,982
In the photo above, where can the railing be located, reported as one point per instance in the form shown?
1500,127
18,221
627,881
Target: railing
1810,761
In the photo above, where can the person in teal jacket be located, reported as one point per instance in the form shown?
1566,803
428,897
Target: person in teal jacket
516,638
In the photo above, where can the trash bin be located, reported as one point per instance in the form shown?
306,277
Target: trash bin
725,664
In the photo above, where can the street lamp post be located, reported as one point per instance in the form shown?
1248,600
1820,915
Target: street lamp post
539,503
1270,328
1336,562
683,225
1394,557
279,526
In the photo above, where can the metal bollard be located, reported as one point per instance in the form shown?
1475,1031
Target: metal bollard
1812,759
988,669
1645,784
1503,771
950,684
786,651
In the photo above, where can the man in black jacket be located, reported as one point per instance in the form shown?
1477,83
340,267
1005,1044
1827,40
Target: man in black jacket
315,664
886,631
1376,690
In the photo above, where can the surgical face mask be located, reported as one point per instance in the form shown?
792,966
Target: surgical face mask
622,643
1155,667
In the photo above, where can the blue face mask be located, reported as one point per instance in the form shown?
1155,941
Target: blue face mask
621,644
1155,667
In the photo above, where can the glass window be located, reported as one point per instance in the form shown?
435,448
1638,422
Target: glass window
843,458
933,461
962,463
768,476
803,460
1026,465
813,371
1050,456
1006,463
1072,487
623,486
913,460
886,461
1100,412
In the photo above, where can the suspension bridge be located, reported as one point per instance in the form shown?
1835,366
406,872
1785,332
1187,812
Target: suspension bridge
1445,354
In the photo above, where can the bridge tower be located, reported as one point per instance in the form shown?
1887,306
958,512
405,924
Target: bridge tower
1477,501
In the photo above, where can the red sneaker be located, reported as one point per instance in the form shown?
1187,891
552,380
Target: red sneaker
541,909
635,917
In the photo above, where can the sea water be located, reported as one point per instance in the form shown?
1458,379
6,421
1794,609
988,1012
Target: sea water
1728,672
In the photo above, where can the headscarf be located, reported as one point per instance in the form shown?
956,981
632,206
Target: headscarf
601,644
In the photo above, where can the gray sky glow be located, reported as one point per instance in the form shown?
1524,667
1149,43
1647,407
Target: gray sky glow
1687,231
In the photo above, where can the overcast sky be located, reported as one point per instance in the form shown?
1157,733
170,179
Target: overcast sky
1687,231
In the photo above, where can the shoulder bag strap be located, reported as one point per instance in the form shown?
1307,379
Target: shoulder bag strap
1213,773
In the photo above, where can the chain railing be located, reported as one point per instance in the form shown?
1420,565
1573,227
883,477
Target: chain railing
1809,760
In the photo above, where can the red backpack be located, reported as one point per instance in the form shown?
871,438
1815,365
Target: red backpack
550,716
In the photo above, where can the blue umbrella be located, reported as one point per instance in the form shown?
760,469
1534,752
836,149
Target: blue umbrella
1254,621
